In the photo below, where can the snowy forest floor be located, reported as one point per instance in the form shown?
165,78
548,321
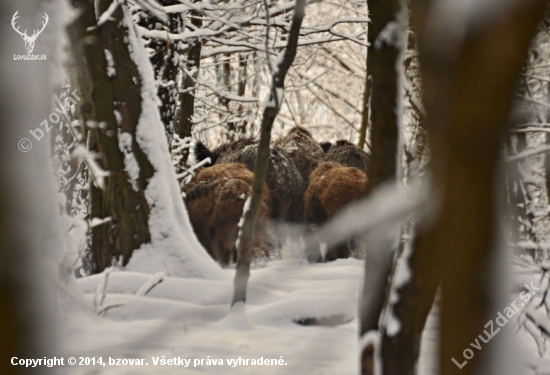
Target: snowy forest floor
190,318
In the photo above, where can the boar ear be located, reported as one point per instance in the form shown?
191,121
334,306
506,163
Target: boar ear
343,142
201,152
325,146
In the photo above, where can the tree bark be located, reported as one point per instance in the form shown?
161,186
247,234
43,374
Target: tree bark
469,88
262,160
227,87
113,101
383,94
383,75
400,352
241,89
365,114
186,98
166,64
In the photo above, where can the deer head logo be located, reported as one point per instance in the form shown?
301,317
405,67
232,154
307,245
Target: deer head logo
29,40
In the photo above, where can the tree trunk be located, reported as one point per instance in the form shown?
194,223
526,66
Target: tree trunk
271,110
365,114
382,60
469,88
111,96
28,294
400,351
186,97
225,75
165,63
383,93
241,89
547,155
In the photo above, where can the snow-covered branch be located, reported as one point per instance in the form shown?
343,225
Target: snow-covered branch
272,107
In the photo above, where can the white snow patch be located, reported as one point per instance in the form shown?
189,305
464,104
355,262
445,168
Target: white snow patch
389,36
293,248
246,207
97,221
402,275
130,163
82,155
118,117
323,248
111,71
372,338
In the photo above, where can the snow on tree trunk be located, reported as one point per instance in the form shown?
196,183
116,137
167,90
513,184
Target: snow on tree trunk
165,60
414,285
386,35
149,229
412,288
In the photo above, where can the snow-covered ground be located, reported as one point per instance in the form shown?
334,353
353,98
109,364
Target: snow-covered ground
190,318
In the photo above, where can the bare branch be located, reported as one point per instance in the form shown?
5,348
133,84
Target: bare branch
271,110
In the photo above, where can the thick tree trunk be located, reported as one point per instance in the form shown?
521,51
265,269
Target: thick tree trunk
468,91
400,351
246,234
383,65
110,84
382,92
27,194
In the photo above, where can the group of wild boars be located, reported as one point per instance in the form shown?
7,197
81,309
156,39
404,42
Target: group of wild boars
215,200
306,184
283,178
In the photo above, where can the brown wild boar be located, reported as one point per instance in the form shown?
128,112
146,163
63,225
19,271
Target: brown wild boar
215,200
332,186
302,149
347,154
